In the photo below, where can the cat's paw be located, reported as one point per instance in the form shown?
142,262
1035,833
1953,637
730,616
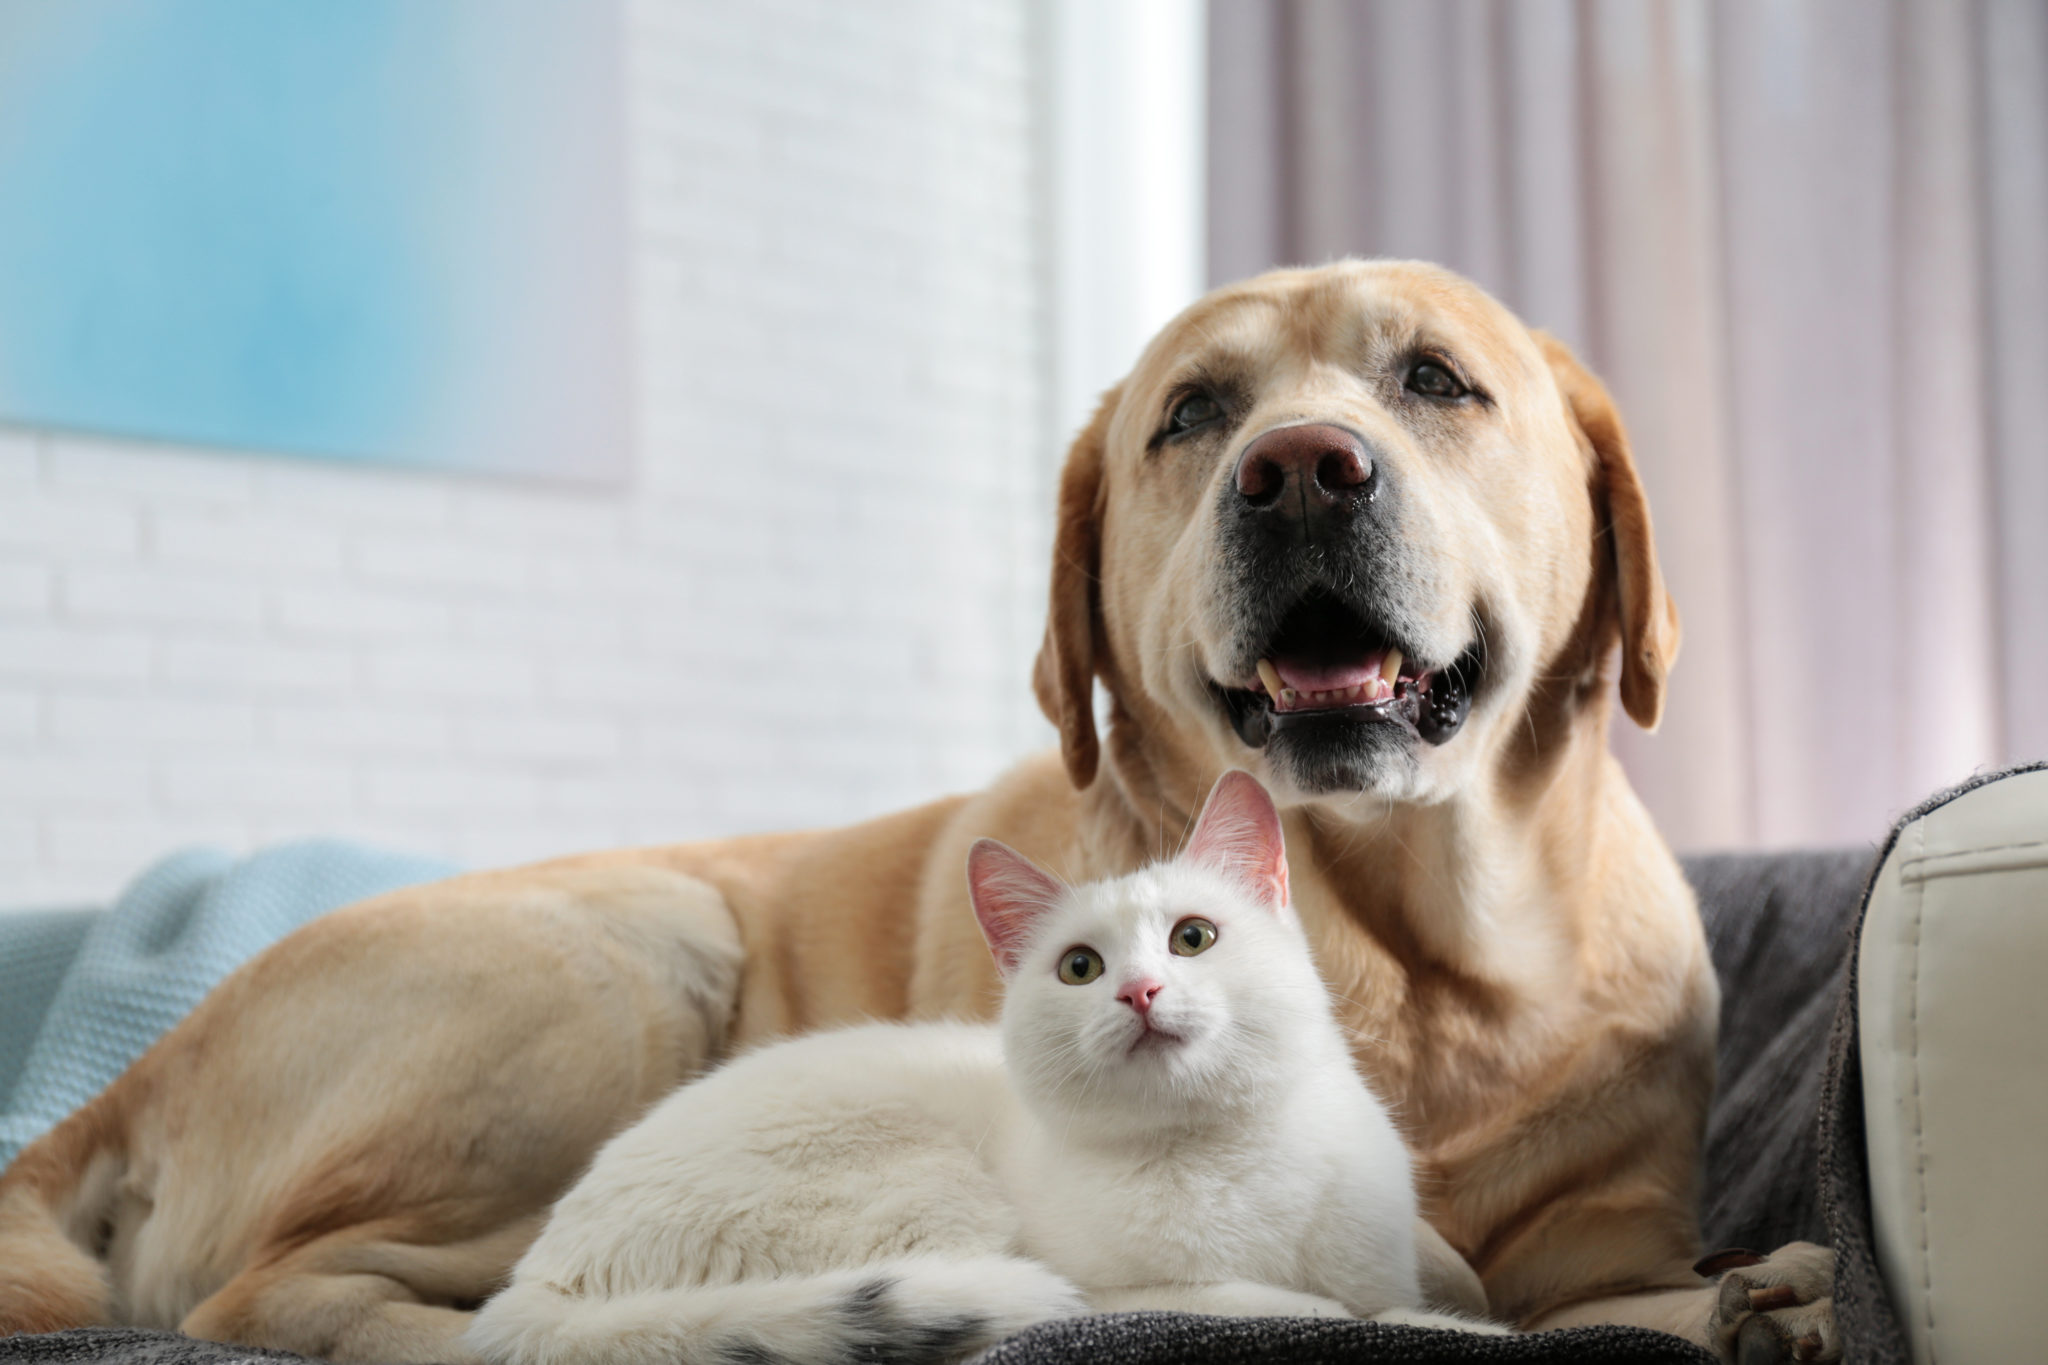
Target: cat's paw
1446,1322
1776,1308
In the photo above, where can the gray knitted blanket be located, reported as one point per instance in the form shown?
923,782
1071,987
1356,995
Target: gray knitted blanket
1784,1162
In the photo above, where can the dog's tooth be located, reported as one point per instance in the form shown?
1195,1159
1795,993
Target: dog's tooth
1286,697
1390,668
1270,676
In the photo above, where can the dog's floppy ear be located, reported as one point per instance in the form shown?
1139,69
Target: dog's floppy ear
1649,618
1064,677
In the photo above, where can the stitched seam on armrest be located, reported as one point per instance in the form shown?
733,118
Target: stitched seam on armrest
1932,864
1919,893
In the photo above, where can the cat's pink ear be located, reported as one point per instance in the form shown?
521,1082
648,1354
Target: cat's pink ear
1010,893
1239,835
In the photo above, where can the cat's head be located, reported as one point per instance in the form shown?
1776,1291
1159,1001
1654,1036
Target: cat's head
1183,989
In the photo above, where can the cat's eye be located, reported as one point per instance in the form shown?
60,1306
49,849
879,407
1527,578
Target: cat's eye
1192,935
1080,966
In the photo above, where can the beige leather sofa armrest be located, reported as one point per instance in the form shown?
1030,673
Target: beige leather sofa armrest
1952,1002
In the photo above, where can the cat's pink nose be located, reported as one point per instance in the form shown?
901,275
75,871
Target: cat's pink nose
1139,994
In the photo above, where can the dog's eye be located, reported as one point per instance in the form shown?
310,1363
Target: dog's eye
1196,410
1432,380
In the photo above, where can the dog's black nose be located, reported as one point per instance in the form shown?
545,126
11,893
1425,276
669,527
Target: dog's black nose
1313,470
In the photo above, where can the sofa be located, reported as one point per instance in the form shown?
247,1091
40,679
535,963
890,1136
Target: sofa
1881,1087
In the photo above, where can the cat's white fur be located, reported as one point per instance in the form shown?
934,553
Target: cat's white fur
917,1191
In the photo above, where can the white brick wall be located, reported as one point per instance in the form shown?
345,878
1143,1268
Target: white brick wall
816,600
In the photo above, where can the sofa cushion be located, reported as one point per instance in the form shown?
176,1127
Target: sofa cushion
1953,1003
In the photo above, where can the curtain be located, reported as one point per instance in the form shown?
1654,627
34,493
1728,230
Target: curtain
1806,243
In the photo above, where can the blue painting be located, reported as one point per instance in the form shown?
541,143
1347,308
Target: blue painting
386,230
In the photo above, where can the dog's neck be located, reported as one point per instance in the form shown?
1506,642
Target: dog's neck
1485,884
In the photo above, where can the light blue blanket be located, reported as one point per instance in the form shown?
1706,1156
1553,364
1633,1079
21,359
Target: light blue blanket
84,994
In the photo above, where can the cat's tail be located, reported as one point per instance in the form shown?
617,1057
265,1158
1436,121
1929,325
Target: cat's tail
910,1310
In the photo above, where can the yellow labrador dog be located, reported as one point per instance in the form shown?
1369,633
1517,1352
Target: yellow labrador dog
1356,529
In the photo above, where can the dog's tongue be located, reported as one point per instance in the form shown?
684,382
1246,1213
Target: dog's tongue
1306,677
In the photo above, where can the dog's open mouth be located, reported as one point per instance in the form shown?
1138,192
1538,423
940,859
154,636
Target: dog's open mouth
1327,663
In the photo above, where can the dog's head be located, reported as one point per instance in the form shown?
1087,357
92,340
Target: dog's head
1346,527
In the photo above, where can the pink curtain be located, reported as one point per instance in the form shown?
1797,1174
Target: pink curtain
1806,242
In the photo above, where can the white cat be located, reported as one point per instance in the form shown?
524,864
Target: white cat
1167,1117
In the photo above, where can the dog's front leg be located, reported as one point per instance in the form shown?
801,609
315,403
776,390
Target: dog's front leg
1747,1309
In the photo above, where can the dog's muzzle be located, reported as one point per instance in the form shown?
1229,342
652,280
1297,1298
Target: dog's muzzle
1326,601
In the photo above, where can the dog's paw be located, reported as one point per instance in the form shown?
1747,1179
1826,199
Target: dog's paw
1776,1308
